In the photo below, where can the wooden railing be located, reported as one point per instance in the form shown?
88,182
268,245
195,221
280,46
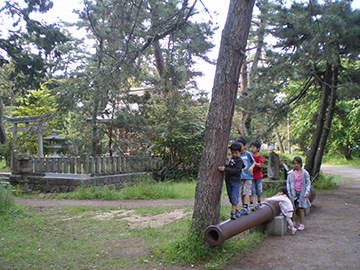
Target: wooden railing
99,165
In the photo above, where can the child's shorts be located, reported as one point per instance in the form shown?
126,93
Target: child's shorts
296,200
256,187
233,192
245,188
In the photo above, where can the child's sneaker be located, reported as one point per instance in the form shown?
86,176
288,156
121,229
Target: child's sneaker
301,227
237,213
252,207
289,228
244,211
258,206
232,215
293,230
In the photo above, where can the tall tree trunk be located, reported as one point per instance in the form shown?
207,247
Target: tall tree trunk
329,118
259,45
243,92
288,133
310,158
159,60
2,130
218,124
279,140
246,129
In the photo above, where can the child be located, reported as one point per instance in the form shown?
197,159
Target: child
232,178
286,207
298,187
246,175
256,188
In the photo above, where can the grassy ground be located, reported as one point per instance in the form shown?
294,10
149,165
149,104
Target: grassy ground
75,238
341,160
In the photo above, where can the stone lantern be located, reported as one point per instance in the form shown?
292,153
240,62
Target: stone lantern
54,146
24,168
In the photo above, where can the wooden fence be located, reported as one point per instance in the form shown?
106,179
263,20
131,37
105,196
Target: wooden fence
99,165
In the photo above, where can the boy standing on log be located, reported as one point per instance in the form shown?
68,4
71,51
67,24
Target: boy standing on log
246,175
232,178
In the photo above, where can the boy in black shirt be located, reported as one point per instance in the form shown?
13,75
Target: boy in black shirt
232,178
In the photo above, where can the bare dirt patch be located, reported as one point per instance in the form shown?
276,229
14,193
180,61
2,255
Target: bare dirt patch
138,221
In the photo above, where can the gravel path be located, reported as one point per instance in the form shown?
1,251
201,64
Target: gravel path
331,239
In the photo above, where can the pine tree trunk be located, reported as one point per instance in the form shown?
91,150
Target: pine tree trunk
279,140
243,91
2,130
218,124
310,158
288,133
326,130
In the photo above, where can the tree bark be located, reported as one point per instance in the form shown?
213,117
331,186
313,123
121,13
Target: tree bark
2,130
279,140
243,91
232,52
329,119
288,133
310,157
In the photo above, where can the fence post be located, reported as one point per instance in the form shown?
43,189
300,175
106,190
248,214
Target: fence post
108,164
56,165
78,165
97,164
72,164
85,163
36,167
113,165
118,167
47,164
66,163
102,164
41,164
91,171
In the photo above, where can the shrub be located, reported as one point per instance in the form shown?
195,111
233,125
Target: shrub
8,207
6,200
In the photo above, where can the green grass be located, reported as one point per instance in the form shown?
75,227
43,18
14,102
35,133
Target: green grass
341,160
71,238
326,182
145,188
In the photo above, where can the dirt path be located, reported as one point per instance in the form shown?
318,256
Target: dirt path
331,239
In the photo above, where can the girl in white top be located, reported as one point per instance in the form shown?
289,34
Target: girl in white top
286,207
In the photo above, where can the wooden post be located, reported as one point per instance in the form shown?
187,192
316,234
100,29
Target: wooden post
97,164
91,171
66,164
78,165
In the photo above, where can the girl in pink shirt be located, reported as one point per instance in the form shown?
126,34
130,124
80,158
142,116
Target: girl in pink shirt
298,187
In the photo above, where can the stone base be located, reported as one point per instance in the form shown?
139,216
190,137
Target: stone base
57,182
277,226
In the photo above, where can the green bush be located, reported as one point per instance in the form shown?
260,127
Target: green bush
6,200
8,207
325,182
